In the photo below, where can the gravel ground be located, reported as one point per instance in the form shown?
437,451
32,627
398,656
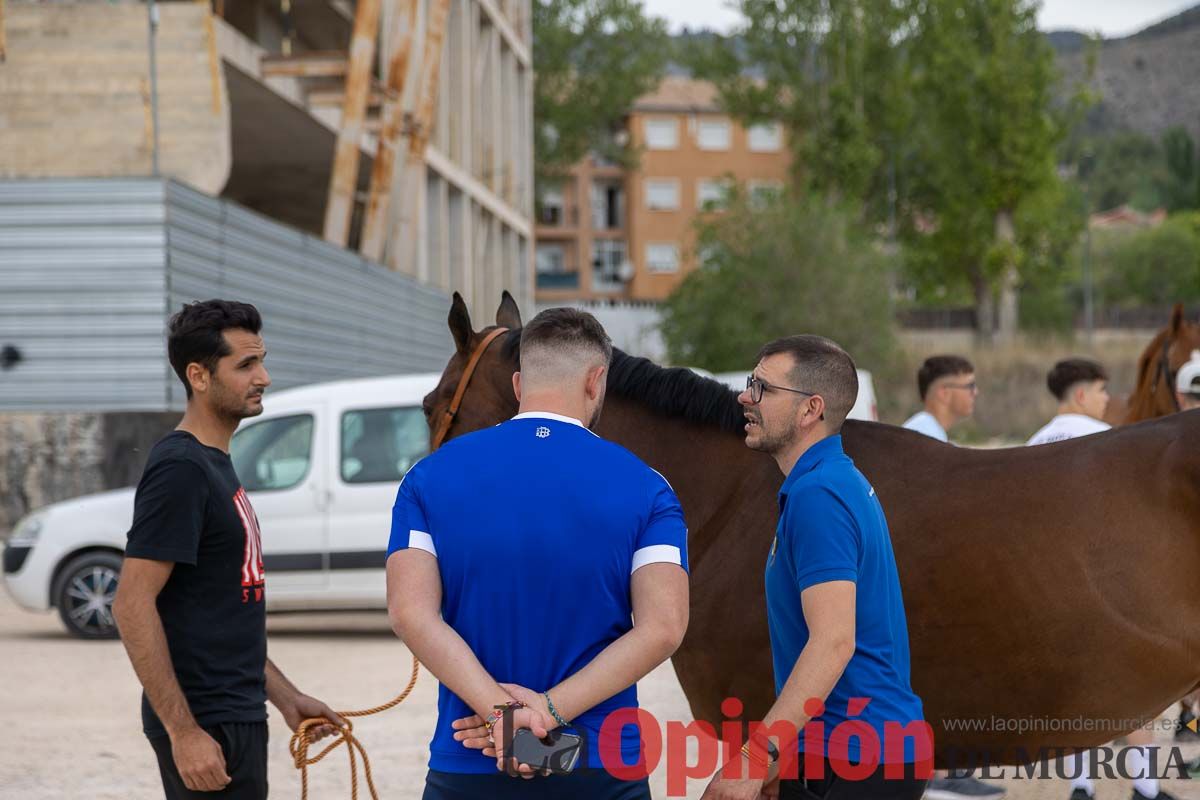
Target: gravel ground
72,711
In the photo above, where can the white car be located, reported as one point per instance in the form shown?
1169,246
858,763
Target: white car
321,465
865,406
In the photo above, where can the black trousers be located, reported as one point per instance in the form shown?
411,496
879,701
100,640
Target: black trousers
582,784
245,747
876,786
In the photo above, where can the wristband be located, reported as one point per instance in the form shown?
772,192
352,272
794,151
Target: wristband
554,711
498,714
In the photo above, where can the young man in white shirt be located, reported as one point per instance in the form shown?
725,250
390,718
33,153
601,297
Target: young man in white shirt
948,391
1187,384
1081,387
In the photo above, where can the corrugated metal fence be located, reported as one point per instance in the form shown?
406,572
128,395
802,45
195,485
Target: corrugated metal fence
90,270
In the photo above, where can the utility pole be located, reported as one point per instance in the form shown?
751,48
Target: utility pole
152,19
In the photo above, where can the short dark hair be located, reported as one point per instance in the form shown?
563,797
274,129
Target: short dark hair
824,368
195,334
568,328
940,367
1071,371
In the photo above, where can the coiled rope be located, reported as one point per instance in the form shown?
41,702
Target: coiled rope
298,746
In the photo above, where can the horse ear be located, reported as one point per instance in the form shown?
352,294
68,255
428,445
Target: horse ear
508,315
460,324
1176,319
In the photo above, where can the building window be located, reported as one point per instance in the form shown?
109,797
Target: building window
551,259
550,206
608,205
661,257
662,134
762,193
608,265
714,134
711,193
766,138
662,194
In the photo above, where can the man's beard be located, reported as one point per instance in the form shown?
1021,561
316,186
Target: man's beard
234,408
591,423
773,443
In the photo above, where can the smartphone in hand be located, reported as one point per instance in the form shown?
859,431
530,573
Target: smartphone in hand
558,753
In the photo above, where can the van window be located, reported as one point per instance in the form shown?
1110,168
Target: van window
273,454
380,444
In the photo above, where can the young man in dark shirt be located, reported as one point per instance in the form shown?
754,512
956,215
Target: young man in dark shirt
191,601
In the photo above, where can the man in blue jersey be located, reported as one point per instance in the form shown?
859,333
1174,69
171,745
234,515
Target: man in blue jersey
834,609
538,555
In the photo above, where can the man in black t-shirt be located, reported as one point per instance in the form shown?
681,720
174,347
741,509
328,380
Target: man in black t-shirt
191,600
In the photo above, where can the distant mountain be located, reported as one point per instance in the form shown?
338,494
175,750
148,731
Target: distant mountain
1146,82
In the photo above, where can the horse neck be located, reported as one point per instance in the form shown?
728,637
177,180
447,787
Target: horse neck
1151,396
711,470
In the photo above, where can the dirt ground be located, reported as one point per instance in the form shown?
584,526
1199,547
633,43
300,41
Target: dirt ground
71,709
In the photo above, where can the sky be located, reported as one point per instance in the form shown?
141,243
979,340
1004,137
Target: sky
1110,17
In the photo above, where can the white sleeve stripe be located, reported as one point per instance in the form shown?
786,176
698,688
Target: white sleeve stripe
656,554
420,540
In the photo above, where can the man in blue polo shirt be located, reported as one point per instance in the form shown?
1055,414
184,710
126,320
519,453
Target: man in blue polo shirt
834,609
519,555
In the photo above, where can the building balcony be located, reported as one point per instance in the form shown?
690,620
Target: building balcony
557,280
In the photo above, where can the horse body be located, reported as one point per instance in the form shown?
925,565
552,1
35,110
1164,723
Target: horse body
1041,584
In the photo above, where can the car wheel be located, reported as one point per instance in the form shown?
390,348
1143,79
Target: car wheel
86,587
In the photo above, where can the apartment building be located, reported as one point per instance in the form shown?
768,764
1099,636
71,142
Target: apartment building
609,234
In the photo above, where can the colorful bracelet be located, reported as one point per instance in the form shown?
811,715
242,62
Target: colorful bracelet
771,753
498,714
554,711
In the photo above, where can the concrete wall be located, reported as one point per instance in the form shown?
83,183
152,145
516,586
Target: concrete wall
75,98
47,457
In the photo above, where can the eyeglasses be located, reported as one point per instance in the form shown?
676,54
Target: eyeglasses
756,387
970,387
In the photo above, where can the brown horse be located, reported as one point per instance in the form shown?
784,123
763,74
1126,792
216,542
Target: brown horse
1154,393
1042,584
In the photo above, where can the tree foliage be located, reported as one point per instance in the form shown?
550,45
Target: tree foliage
833,74
593,59
775,267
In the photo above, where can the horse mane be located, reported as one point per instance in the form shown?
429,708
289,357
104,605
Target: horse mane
1146,362
672,391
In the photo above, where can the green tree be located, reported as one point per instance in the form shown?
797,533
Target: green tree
832,73
1157,266
594,58
774,267
984,146
1180,153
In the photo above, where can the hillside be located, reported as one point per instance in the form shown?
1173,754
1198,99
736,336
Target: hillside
1146,82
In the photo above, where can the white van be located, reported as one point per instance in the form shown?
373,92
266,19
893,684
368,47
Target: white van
321,465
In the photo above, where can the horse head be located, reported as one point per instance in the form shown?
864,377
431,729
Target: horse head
1154,394
486,396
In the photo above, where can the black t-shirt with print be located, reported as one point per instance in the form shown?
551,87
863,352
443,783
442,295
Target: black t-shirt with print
191,509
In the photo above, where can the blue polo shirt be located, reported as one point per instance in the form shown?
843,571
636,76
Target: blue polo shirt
832,528
537,525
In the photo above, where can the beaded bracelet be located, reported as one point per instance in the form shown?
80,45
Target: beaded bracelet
554,711
498,714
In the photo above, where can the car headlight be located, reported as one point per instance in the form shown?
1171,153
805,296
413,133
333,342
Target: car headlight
27,530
